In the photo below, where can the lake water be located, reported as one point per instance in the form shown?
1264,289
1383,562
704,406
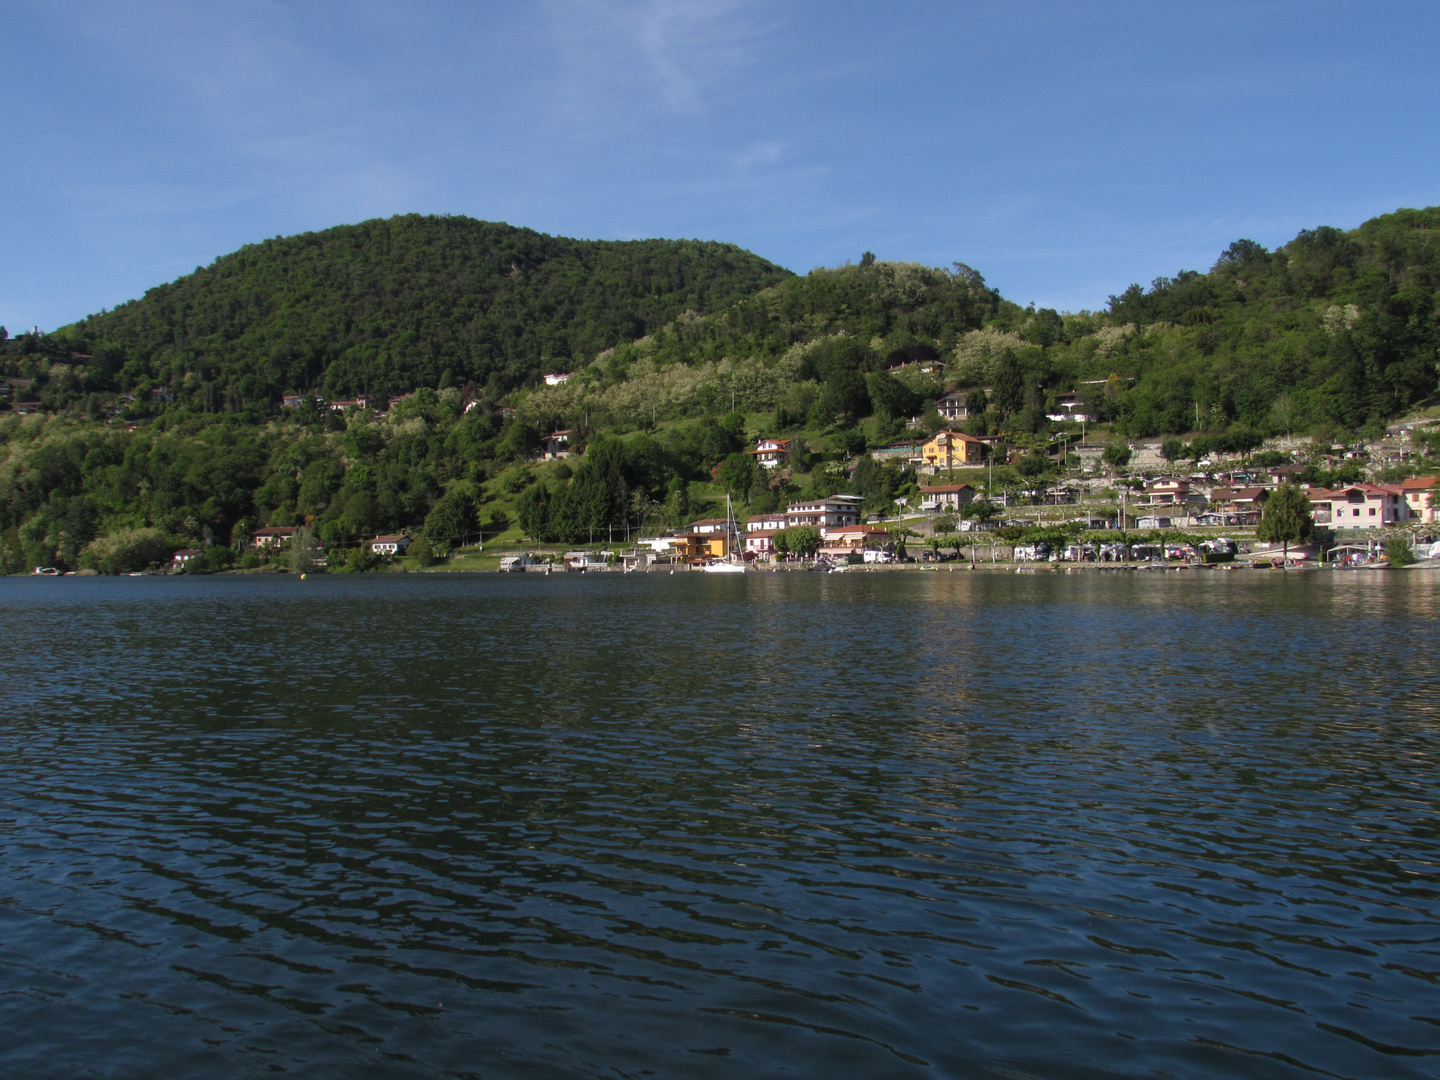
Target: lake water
871,825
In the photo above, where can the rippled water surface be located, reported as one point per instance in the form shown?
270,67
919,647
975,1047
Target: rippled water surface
884,825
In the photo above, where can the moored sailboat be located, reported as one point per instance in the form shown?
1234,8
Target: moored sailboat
733,561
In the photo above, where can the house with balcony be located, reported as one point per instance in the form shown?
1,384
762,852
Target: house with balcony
760,543
1068,409
1168,491
953,407
948,449
820,513
839,541
771,453
946,498
1237,505
1360,506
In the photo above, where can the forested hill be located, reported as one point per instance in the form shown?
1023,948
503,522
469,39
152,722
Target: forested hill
387,305
1335,328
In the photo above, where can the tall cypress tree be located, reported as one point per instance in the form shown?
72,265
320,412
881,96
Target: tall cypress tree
1286,517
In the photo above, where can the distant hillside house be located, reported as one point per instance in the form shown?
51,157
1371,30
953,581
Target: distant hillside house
770,453
294,401
555,380
353,403
946,496
953,407
183,556
390,545
555,445
946,449
273,537
1067,408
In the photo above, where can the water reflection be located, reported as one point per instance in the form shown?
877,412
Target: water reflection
935,824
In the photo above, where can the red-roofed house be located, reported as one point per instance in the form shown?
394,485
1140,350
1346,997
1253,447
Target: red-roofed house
390,545
273,537
1422,499
771,453
1360,506
555,445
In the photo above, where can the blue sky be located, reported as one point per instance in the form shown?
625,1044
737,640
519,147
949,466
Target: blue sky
1064,149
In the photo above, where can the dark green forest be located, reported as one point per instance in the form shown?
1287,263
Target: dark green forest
161,422
384,306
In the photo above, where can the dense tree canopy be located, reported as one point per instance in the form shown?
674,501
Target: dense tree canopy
387,305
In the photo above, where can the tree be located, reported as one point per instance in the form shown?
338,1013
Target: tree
1172,450
1009,384
739,474
304,551
1399,552
451,522
980,510
1286,517
126,550
422,552
802,540
1116,455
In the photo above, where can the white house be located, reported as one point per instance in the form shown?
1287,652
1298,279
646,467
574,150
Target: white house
833,510
390,545
771,453
555,445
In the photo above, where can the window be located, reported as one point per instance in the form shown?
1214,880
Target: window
1372,511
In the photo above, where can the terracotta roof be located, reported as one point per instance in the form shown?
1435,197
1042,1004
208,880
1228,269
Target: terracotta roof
941,489
1418,483
389,539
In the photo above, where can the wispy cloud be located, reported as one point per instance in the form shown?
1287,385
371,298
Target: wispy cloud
687,51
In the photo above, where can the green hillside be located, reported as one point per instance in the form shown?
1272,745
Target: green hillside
160,423
384,306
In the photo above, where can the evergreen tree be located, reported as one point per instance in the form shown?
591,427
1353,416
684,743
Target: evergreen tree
1286,518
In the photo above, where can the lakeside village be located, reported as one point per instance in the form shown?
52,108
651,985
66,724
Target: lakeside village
1129,509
